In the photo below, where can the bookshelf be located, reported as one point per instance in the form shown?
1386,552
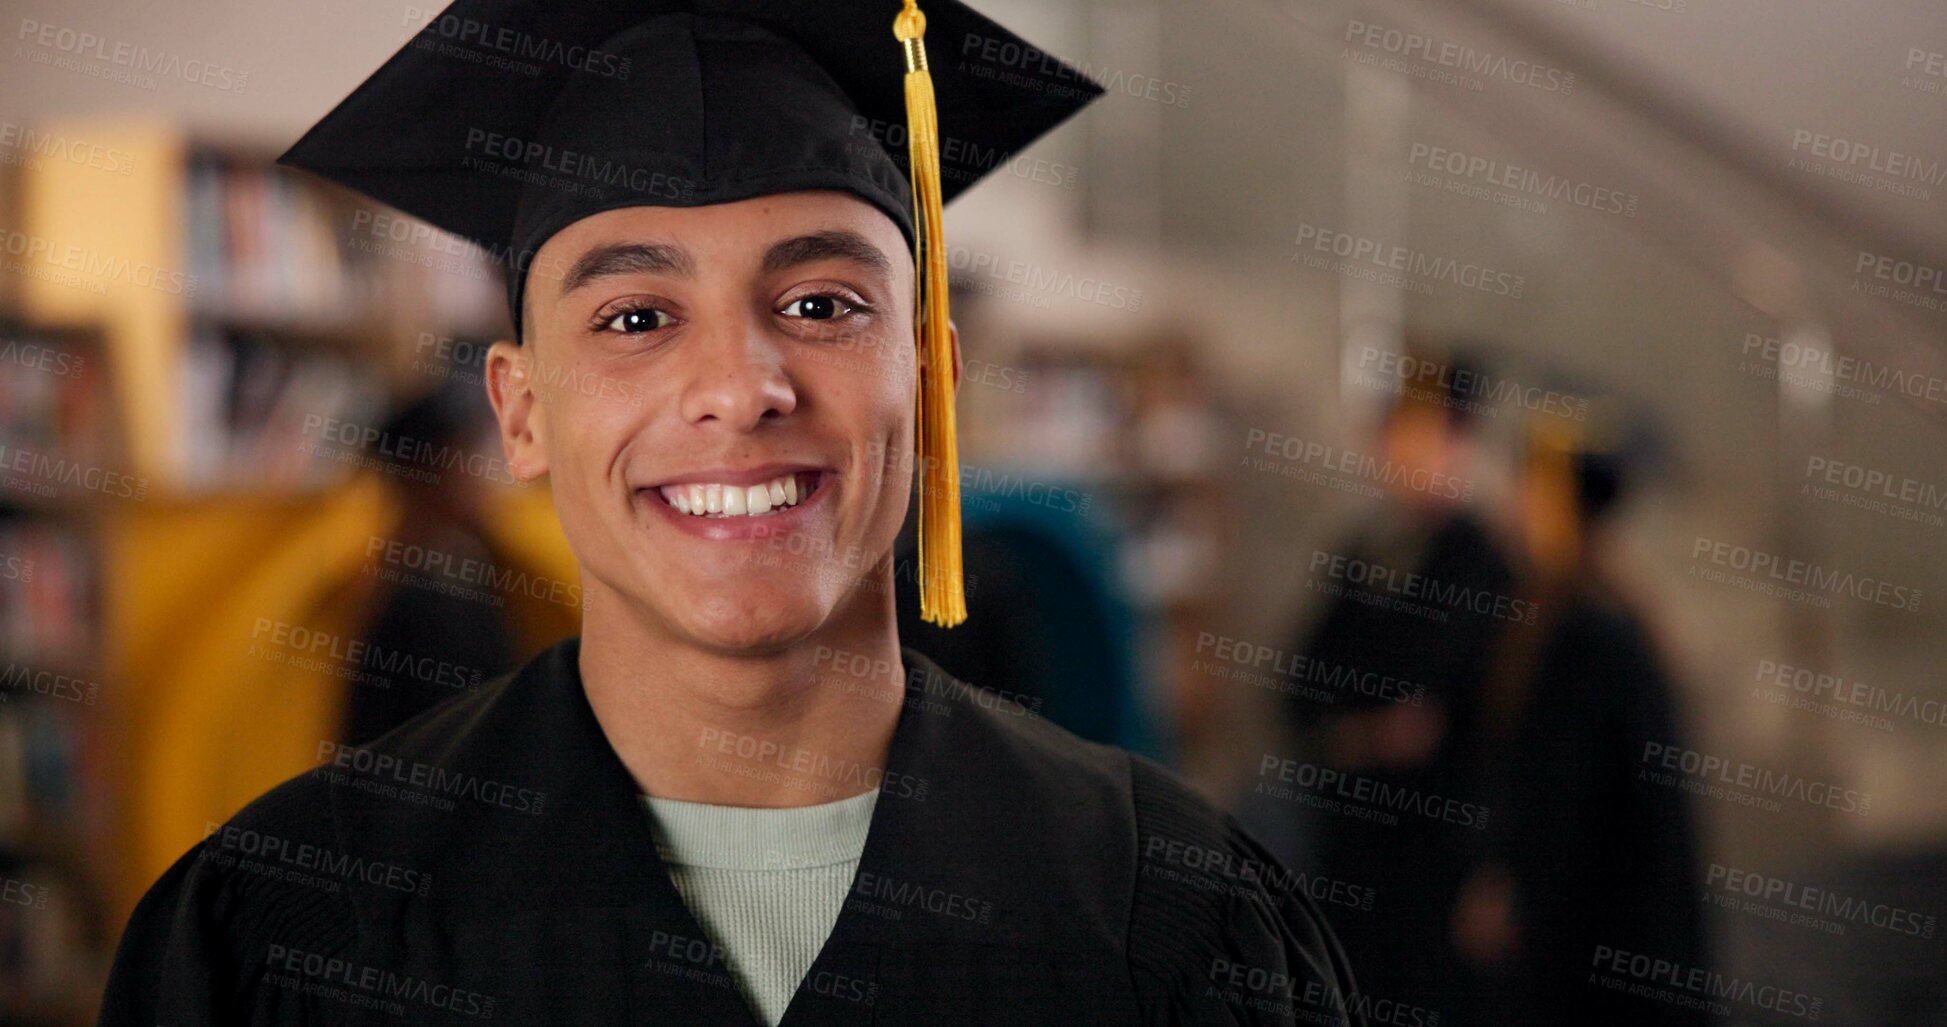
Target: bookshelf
194,313
236,298
58,445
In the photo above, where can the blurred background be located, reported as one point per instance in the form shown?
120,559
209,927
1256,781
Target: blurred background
1495,448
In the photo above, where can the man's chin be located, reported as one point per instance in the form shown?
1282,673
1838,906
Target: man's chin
753,624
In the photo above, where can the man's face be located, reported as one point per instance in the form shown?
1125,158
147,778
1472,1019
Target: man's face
1420,438
752,362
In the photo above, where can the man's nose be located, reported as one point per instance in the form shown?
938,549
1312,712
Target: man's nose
738,379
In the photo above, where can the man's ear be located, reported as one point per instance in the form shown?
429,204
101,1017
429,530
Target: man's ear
510,388
953,337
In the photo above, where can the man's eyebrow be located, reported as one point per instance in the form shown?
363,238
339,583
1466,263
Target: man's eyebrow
834,244
628,259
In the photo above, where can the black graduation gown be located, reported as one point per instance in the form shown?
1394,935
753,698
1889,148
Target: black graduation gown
1417,865
1598,856
491,861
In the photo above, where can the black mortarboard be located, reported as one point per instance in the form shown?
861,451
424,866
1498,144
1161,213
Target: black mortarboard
505,121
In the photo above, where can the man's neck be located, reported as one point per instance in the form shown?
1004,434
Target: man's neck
806,724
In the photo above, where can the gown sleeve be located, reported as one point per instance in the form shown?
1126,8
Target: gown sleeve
1654,829
164,971
1221,934
201,947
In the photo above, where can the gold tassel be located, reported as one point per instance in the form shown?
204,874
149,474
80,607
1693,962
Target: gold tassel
942,598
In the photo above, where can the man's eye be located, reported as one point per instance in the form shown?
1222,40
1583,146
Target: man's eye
641,319
818,308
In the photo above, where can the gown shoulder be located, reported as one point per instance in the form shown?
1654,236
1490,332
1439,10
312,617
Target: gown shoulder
210,941
1221,932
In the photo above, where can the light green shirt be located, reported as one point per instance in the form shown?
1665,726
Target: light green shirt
766,884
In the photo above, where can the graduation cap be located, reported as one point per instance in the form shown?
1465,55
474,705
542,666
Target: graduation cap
505,121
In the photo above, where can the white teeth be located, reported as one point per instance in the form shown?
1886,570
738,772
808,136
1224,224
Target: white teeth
716,500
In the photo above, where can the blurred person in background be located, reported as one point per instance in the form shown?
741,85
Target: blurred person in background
1579,853
1407,738
422,450
1044,615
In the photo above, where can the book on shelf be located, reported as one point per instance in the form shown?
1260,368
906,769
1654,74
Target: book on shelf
47,580
257,412
270,247
53,404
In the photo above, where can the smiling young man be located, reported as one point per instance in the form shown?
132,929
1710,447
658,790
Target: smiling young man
734,798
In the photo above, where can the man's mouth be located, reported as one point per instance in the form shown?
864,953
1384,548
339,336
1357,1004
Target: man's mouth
716,499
